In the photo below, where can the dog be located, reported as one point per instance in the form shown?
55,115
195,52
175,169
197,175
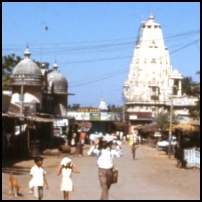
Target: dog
14,186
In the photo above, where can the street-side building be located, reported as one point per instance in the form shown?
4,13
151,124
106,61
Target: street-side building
37,115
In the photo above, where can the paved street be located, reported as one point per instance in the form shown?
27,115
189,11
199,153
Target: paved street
152,176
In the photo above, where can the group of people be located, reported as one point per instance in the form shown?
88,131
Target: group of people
102,147
105,153
38,177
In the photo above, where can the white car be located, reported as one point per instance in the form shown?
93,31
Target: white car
163,145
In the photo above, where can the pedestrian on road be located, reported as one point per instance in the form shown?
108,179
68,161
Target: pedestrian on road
38,177
133,150
102,148
66,168
81,142
131,139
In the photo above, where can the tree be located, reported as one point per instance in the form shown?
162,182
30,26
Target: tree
8,63
187,84
195,91
113,108
73,107
192,88
163,120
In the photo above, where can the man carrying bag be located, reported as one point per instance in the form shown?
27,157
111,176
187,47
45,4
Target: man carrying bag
102,148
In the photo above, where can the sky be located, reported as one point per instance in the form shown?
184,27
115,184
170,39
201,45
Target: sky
93,43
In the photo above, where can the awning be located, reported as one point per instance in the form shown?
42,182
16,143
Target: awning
197,123
188,127
148,128
120,125
42,119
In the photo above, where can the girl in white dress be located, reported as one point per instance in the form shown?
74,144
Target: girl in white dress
66,168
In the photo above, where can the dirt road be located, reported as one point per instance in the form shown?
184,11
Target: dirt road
151,176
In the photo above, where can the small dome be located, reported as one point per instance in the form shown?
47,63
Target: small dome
57,80
26,66
28,69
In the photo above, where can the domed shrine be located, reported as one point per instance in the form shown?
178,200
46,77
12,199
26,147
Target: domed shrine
27,82
56,92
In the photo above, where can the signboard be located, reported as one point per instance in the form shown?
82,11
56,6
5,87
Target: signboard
79,116
106,116
94,116
133,117
88,110
157,134
60,122
17,129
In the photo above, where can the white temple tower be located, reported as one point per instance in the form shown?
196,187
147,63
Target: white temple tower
102,105
148,88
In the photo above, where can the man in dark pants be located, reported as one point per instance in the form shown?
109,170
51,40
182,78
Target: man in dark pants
179,155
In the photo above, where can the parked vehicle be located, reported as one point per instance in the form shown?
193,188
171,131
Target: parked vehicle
163,145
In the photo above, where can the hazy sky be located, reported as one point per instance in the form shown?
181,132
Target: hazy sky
93,43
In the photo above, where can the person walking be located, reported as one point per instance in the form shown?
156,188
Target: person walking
81,142
102,148
38,177
133,150
131,139
66,168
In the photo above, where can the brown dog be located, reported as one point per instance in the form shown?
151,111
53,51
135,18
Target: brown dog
14,186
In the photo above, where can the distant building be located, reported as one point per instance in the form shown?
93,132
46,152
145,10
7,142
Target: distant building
151,80
100,118
102,105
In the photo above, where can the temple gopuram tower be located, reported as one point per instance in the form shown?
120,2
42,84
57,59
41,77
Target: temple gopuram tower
151,81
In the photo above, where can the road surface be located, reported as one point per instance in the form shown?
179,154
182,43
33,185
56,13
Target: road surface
151,176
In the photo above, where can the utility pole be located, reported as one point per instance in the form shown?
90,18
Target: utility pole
124,111
124,108
22,98
170,126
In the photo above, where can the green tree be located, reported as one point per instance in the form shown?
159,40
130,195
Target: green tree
8,63
114,108
163,120
187,84
73,107
195,91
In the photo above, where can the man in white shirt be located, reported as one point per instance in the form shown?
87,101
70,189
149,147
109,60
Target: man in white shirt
102,148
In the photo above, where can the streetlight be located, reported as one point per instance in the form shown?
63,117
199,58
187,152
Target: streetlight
46,29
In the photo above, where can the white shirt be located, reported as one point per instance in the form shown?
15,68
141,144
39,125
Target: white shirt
105,156
38,175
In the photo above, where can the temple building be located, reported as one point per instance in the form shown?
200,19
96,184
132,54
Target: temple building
37,114
102,105
152,84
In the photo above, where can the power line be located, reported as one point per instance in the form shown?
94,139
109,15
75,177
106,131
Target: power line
123,71
97,46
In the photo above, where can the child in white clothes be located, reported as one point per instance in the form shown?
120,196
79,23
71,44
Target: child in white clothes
66,168
38,177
